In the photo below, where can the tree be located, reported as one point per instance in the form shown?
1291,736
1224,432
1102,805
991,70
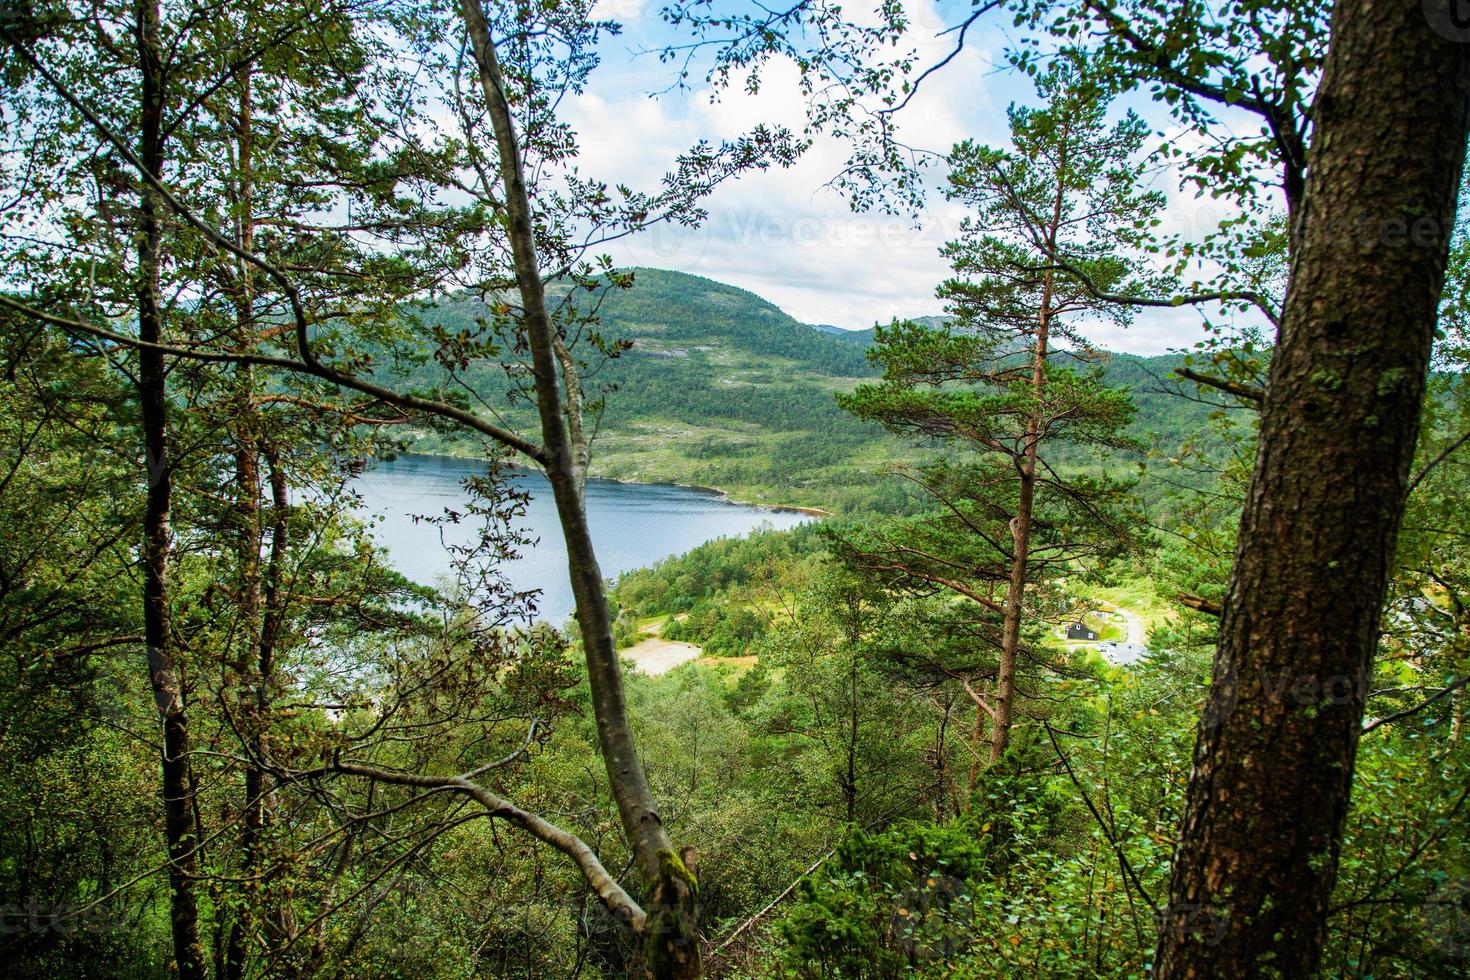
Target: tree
155,267
1259,844
1054,219
1368,181
78,809
180,824
835,701
315,290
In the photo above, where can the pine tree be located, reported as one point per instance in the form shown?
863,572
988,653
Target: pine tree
1054,219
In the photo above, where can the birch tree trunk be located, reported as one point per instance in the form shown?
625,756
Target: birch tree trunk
671,942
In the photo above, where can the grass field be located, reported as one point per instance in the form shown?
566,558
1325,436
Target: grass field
1137,596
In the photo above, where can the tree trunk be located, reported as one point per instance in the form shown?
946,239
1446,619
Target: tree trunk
1274,759
243,677
1005,693
1021,525
280,923
1005,677
180,828
854,717
942,778
977,736
249,668
670,934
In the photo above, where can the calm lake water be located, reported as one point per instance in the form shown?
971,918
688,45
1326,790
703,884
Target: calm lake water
633,524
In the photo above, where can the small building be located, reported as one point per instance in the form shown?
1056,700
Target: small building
1080,631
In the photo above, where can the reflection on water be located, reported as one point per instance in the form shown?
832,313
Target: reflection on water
633,524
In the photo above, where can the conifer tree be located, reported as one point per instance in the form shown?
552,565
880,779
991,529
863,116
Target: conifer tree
1010,379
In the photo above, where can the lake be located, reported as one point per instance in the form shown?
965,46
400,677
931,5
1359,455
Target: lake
633,524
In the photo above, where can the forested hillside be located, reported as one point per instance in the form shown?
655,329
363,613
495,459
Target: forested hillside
720,388
717,387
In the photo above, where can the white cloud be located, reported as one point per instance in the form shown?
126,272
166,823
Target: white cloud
623,11
785,234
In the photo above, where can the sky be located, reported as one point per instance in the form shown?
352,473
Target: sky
785,234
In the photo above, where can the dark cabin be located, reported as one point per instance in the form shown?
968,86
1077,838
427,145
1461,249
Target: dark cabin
1079,631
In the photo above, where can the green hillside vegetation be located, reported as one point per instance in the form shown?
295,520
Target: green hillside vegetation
722,388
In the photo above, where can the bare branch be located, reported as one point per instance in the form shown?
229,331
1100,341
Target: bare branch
1199,604
315,369
1430,466
1103,825
1236,388
955,53
614,898
1251,296
1443,693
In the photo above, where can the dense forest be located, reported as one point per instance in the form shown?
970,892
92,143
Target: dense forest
1095,665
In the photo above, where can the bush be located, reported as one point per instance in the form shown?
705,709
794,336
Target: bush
887,903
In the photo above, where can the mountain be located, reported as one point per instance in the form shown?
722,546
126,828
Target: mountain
830,329
719,388
722,388
668,312
863,338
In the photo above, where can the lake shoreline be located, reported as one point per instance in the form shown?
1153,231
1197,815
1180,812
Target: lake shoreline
714,491
634,525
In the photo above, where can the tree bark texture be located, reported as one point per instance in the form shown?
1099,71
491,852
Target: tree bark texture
1273,763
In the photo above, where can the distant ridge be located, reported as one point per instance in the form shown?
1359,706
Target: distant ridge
721,387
